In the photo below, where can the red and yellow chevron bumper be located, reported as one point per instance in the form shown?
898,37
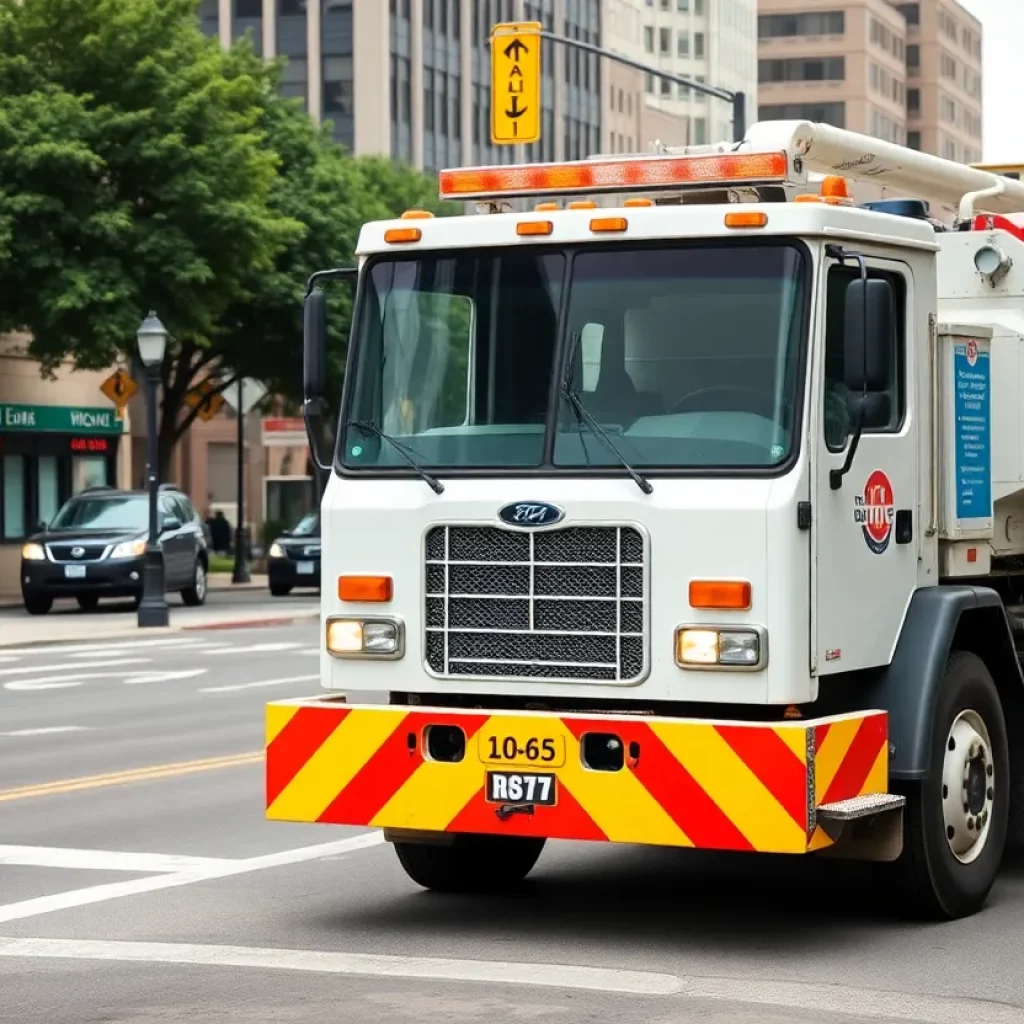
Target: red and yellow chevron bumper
680,782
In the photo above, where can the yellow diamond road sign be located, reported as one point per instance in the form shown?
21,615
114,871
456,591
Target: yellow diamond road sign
515,83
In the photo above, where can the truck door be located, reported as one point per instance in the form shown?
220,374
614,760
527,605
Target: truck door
865,533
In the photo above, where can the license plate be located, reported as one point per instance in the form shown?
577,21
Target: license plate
521,788
512,741
74,572
304,568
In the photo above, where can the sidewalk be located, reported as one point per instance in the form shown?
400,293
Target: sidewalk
227,607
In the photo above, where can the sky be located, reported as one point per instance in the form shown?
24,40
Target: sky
1003,83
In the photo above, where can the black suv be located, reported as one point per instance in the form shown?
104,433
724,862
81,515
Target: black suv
95,547
294,558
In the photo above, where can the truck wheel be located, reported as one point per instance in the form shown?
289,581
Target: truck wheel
955,820
472,864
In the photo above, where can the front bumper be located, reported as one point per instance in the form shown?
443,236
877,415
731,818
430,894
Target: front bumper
294,573
681,782
120,577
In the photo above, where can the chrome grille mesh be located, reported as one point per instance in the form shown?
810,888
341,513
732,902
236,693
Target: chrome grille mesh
561,604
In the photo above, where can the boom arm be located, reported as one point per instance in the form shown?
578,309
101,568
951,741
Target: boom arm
829,150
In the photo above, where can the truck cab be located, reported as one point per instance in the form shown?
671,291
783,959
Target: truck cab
650,519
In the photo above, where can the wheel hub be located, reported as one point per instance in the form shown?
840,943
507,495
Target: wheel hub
968,786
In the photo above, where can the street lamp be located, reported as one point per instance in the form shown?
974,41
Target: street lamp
152,339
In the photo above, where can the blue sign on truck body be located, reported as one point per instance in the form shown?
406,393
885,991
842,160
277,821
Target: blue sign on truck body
972,407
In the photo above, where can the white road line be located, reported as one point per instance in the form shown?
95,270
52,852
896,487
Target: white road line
115,890
108,645
134,677
821,997
260,648
69,666
164,677
49,730
103,860
594,979
252,686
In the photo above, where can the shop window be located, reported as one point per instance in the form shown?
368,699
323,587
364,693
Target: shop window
88,471
13,497
47,488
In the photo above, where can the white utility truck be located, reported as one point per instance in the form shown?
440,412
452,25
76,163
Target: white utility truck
683,507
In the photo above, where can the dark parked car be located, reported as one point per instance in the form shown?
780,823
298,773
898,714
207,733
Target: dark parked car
96,544
293,560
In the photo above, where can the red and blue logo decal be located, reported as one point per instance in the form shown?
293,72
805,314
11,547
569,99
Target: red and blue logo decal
874,511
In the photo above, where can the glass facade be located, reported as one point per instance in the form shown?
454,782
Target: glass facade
336,61
247,17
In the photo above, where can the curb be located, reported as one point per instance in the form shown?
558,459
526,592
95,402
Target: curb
124,634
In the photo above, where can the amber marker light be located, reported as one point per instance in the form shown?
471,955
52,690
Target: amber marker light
720,595
369,589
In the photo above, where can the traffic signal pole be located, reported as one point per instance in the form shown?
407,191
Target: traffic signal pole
737,99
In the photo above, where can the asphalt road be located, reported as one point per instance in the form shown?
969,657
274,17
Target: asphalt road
140,883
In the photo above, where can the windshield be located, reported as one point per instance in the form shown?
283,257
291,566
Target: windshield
123,512
687,356
307,526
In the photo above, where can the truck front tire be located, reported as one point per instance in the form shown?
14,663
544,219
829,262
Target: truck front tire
956,818
471,864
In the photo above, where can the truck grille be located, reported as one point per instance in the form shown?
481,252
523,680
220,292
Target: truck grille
563,605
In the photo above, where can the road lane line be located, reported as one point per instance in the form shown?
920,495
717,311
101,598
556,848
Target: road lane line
157,771
47,650
920,1008
262,682
70,666
102,860
116,890
594,979
49,730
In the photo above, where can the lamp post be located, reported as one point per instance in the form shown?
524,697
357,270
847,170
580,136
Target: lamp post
240,570
152,339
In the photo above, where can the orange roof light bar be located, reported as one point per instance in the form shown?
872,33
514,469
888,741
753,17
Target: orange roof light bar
657,172
720,595
535,227
395,236
609,224
368,589
746,219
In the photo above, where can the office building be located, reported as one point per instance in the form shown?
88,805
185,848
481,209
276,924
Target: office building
411,78
908,73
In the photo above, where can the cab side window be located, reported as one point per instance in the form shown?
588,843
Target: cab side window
884,414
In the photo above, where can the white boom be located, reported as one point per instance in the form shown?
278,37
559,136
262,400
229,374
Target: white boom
831,150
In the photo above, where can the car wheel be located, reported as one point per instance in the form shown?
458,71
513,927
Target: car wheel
88,602
195,594
280,590
37,605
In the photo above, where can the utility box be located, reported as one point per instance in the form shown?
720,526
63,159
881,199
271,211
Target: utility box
964,407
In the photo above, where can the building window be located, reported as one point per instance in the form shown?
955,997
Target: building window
683,44
823,113
338,83
913,59
914,140
802,69
698,45
947,66
648,39
209,17
910,12
784,26
913,101
700,131
248,18
291,28
664,41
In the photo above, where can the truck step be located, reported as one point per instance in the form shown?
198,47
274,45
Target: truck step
860,807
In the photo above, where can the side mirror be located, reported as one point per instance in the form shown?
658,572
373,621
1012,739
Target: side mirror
870,335
170,524
314,345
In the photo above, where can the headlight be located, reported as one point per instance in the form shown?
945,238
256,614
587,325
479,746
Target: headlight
33,553
365,638
725,647
276,551
130,549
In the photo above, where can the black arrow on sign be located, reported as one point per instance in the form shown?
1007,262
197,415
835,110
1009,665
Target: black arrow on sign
515,48
118,385
515,110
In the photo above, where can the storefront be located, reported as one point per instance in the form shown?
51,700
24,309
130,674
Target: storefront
48,453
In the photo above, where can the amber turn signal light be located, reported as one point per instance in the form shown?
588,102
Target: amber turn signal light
370,589
720,595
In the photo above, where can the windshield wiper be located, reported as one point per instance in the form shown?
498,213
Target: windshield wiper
407,453
572,396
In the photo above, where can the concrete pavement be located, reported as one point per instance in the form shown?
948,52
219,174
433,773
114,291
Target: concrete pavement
140,883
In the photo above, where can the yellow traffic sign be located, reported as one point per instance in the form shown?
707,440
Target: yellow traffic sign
120,388
515,83
205,399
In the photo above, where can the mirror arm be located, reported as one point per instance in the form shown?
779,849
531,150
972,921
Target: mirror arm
329,275
835,476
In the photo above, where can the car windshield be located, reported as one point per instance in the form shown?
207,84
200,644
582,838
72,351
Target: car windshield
688,356
307,526
116,512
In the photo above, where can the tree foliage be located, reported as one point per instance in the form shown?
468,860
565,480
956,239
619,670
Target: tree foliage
144,167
